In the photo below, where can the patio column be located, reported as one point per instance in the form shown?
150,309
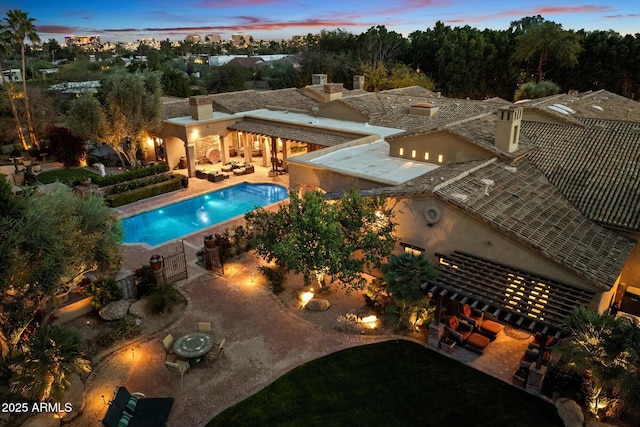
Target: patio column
266,151
247,147
535,379
190,151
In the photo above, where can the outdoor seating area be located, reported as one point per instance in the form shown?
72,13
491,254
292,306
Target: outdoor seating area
136,410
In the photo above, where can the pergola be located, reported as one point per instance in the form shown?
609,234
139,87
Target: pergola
522,299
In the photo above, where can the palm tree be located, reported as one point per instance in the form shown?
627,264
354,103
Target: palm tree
42,369
402,276
547,42
21,27
5,48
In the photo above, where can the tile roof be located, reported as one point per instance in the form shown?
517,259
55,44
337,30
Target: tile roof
173,107
525,206
247,100
595,166
600,104
293,132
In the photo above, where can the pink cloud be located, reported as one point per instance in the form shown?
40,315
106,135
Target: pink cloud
540,10
56,29
216,4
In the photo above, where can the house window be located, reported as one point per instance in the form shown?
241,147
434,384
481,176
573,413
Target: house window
440,158
410,249
401,152
413,154
426,156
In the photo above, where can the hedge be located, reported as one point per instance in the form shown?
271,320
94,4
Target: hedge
130,175
115,200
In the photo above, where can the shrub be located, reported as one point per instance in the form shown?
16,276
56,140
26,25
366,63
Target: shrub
103,292
131,175
163,298
145,280
66,147
115,200
274,276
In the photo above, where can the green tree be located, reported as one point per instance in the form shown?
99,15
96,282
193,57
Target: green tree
402,277
531,90
315,237
281,75
175,83
57,239
380,46
605,351
132,106
547,43
65,146
42,368
5,48
22,27
86,119
392,76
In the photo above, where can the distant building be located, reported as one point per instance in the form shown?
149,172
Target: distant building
240,40
83,41
213,39
193,38
12,75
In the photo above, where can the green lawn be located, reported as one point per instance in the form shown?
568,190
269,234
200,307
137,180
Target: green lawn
64,175
396,383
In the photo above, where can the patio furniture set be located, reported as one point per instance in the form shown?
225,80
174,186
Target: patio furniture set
531,356
471,329
188,350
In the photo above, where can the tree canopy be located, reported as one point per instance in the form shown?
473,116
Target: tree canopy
316,237
48,242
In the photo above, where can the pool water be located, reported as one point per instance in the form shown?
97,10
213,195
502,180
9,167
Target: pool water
179,219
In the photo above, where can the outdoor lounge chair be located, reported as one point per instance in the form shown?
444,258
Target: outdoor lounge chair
216,353
215,177
204,327
473,316
136,410
167,344
459,330
179,367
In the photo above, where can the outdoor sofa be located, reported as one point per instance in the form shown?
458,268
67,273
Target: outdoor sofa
135,410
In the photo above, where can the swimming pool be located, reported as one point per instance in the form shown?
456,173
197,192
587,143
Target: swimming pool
166,223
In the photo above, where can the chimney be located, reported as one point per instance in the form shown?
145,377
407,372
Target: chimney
508,128
201,107
358,82
423,109
332,91
318,79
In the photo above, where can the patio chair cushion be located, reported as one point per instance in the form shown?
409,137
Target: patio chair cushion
453,322
131,404
490,329
477,343
124,420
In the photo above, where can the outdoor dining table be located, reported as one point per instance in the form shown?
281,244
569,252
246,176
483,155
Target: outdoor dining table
193,346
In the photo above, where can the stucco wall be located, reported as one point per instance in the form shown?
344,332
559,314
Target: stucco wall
450,147
631,273
300,175
339,111
456,231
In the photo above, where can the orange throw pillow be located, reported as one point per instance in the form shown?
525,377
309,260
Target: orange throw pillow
466,310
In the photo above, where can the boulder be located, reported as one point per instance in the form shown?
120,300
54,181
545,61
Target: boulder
139,308
44,419
114,310
74,396
318,304
570,412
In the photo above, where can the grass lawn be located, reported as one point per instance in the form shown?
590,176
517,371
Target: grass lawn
396,383
64,175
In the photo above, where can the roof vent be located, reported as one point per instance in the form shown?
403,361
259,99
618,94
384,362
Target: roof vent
426,109
511,169
459,196
487,183
635,129
597,107
599,126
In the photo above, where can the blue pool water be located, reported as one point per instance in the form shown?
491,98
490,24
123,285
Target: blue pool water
167,223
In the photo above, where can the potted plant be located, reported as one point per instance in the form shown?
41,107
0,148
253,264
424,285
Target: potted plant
448,344
155,261
36,167
200,255
209,241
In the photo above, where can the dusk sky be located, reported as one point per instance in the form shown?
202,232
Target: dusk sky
131,20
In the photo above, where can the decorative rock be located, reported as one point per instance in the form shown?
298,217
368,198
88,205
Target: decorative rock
114,310
74,396
139,308
44,419
570,412
318,304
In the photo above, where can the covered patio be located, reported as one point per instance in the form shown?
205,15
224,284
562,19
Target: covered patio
523,302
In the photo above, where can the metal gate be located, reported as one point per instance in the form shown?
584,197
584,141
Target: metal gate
175,265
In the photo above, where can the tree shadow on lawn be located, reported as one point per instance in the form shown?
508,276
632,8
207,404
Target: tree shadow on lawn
395,383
